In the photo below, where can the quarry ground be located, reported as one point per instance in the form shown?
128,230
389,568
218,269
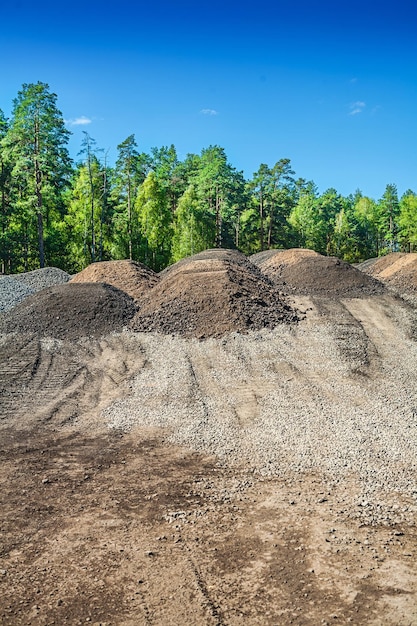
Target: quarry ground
125,526
123,529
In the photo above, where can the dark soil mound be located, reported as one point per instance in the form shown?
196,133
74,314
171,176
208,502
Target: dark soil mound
210,294
300,271
131,277
71,311
398,269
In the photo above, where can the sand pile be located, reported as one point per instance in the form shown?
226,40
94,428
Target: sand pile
302,271
131,277
71,311
210,294
398,269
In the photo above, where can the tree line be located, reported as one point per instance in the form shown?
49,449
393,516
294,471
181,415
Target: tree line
155,208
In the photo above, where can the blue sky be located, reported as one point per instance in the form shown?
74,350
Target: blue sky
331,86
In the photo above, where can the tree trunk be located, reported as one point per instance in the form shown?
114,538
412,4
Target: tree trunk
41,244
218,221
129,217
38,184
271,219
261,216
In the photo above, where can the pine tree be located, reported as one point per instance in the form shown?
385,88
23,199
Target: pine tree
35,148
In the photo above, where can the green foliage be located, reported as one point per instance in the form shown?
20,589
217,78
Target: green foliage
192,228
35,149
87,231
389,209
155,220
157,209
408,222
130,172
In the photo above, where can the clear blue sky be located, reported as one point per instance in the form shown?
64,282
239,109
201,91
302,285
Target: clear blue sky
330,85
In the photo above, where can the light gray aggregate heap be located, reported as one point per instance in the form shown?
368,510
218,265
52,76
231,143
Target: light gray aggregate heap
14,288
12,292
44,277
294,400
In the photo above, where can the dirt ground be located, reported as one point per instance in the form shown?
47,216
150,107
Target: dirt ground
115,528
123,527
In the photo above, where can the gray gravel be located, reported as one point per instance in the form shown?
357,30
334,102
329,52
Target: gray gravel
16,287
12,291
337,395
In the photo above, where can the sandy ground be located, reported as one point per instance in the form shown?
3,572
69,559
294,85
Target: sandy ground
123,527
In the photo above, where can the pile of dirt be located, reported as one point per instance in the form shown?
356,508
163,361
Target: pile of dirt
212,254
210,294
131,277
71,311
300,271
292,255
397,269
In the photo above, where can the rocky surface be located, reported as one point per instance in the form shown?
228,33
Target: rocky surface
14,288
265,477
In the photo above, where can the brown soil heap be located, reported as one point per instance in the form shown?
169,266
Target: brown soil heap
293,255
301,271
70,311
210,294
398,269
131,277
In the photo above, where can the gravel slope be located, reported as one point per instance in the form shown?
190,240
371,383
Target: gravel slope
335,395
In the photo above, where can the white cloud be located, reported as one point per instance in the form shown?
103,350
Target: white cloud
357,107
209,112
79,121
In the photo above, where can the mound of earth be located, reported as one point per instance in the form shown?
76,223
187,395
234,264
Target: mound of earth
212,254
381,264
210,294
398,269
71,311
293,255
300,271
131,277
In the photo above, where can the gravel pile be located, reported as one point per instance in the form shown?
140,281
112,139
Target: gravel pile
211,294
71,311
294,399
44,277
12,291
14,288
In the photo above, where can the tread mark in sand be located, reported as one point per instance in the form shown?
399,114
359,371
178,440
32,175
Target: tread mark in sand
145,608
214,610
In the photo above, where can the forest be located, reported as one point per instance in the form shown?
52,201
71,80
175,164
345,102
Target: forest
156,209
